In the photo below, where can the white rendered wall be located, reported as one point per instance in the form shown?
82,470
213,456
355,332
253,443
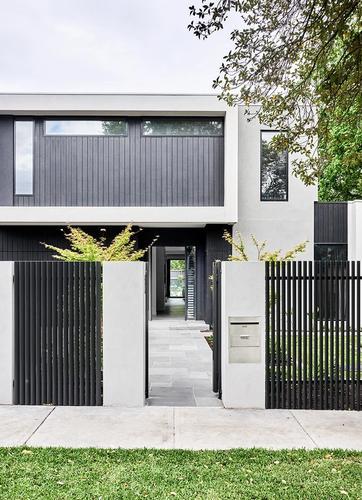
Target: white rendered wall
355,230
281,224
6,332
242,294
124,334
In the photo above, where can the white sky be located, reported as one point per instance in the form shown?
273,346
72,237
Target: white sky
105,46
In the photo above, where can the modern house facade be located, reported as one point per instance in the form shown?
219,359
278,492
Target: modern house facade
183,168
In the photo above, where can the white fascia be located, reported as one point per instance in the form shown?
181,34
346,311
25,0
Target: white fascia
130,105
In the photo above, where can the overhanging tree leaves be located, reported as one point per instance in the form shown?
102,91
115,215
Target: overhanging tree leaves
291,57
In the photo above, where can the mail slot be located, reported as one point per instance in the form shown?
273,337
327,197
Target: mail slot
244,340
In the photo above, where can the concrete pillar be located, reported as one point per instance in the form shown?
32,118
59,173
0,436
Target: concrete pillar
242,295
6,332
124,334
355,230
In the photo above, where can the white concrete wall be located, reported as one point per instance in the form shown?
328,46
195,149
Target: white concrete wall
355,230
281,224
243,294
124,333
6,332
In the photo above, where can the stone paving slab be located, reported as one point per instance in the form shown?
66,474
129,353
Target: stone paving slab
332,429
220,428
106,427
18,423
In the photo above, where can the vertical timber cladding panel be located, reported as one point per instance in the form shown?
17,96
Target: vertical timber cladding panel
216,249
121,171
313,335
330,222
58,333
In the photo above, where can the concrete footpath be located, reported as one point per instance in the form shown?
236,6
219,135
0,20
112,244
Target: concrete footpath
187,428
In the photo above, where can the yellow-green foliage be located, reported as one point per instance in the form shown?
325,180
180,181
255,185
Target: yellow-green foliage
84,247
238,245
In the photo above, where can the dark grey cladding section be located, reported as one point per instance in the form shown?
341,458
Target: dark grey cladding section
126,171
330,222
6,161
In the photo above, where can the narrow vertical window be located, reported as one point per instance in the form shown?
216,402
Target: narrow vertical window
273,170
24,157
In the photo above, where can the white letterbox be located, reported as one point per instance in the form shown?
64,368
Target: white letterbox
244,339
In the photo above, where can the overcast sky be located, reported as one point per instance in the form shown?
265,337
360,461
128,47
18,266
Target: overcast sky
105,46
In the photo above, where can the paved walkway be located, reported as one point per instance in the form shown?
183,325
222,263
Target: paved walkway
187,428
180,364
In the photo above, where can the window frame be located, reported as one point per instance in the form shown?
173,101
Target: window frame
32,121
177,118
286,199
83,119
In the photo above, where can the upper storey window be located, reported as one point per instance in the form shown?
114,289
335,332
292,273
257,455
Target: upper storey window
85,127
24,136
182,127
273,170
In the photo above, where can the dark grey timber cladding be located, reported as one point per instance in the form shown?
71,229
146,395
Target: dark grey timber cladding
6,161
58,333
126,171
330,222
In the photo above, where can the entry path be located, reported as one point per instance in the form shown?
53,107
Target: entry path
180,364
186,428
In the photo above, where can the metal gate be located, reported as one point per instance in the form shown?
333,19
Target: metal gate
58,333
190,278
313,335
216,327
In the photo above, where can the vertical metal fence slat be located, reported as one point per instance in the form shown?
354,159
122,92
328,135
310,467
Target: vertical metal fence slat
342,338
326,333
98,339
272,336
37,334
358,339
353,335
27,333
305,334
92,378
299,338
315,334
76,385
267,336
86,334
43,333
65,292
289,340
81,333
337,343
49,361
16,393
294,350
347,339
331,333
283,342
71,333
60,331
320,333
310,334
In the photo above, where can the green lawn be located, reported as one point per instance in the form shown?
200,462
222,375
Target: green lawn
103,474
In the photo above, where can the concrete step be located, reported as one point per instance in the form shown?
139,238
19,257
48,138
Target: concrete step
178,325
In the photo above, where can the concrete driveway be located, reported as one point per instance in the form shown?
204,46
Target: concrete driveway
187,428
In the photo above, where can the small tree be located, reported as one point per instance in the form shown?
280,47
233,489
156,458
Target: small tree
87,248
262,254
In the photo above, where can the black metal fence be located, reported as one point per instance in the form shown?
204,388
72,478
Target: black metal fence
313,335
58,333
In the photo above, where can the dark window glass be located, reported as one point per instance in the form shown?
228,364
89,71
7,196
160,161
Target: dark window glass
274,171
326,252
183,127
85,127
24,137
